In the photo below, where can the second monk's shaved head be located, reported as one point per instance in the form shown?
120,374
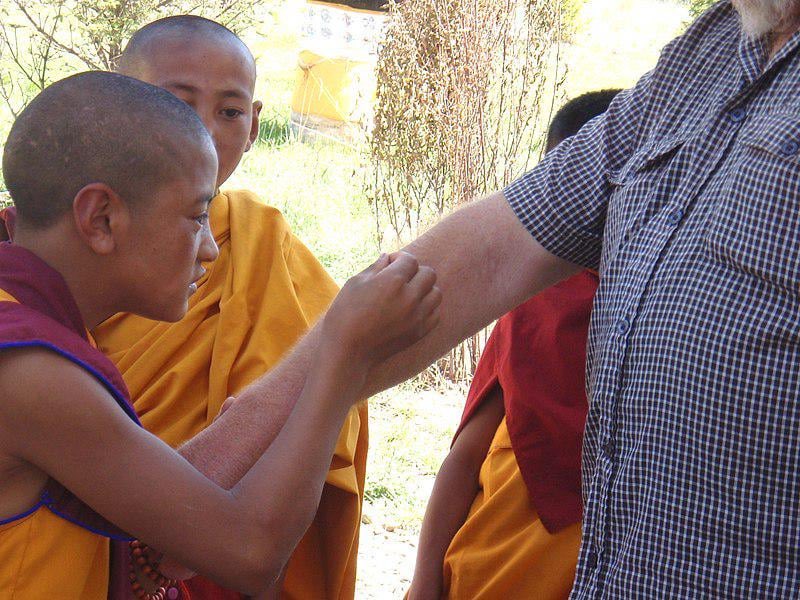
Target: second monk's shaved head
136,55
97,127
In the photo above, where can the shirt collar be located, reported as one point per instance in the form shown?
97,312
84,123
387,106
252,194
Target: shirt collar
754,56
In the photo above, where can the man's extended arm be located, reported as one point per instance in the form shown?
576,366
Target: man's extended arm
486,263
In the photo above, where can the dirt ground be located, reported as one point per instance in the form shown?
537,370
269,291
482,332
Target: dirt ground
385,562
410,433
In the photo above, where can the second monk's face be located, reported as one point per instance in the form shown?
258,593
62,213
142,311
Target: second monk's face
216,78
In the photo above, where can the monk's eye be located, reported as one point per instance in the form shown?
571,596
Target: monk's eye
202,219
232,113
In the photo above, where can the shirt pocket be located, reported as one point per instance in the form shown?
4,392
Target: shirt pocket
754,225
638,191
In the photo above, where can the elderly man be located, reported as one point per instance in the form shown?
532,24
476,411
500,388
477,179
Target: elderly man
685,197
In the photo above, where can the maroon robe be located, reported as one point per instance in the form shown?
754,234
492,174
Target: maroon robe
537,355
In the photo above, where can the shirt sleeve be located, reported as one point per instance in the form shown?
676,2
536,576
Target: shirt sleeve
563,200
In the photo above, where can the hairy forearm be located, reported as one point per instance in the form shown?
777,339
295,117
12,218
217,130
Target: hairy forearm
486,264
283,488
227,449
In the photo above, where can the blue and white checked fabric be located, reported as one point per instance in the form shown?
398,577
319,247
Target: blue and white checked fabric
686,195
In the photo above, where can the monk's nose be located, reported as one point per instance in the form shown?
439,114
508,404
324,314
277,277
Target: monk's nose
209,251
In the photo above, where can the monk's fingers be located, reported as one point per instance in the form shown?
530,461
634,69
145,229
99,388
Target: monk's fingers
380,264
426,311
403,266
430,313
422,282
431,302
227,404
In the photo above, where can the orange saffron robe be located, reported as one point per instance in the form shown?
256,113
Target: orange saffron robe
503,550
263,292
35,565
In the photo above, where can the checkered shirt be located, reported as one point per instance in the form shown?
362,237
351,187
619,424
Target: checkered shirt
686,195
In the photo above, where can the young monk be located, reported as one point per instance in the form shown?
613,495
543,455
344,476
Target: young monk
503,520
255,301
112,180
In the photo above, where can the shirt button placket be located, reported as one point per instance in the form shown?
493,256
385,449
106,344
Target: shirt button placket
609,448
623,326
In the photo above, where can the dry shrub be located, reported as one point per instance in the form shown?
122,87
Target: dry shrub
465,90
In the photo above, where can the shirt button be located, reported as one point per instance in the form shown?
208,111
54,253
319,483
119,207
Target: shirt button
737,115
623,326
591,560
675,217
789,148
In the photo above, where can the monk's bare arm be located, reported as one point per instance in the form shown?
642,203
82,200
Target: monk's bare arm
452,497
486,264
57,418
63,422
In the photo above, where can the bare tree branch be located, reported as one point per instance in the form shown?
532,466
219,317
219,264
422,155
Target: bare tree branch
64,47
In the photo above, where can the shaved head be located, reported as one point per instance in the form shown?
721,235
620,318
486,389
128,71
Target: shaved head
208,67
98,127
140,49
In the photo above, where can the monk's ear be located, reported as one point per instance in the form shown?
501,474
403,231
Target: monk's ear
101,216
254,125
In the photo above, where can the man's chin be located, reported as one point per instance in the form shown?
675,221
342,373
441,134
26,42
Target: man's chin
761,17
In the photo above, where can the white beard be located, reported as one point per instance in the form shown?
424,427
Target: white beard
760,17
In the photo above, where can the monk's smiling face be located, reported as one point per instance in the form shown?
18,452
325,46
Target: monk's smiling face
215,75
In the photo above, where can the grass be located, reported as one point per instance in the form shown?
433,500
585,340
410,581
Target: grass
410,431
319,187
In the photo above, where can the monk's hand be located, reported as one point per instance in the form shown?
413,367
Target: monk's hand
225,406
173,570
383,310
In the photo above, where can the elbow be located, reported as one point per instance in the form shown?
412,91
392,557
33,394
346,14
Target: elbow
271,542
258,571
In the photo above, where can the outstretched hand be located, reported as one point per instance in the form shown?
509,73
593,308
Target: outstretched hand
384,309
